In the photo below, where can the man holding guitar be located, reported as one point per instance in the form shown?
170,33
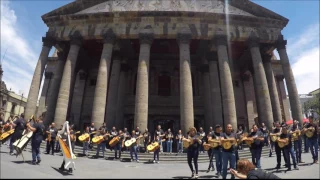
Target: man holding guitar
37,137
161,134
52,133
133,148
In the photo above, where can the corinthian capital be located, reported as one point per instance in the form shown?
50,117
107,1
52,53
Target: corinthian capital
76,38
109,37
184,38
146,38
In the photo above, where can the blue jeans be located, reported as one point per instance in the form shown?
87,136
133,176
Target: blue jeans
117,148
218,156
35,145
256,155
11,145
57,146
101,146
306,144
133,149
179,147
85,148
228,157
297,148
314,148
169,146
289,152
156,154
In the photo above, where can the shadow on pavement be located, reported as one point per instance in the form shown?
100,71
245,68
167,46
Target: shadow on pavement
305,164
21,162
181,177
64,173
4,152
208,177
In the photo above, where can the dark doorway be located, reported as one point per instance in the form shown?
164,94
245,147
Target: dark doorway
130,125
165,125
164,85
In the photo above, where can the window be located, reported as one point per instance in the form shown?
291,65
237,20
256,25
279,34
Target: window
164,85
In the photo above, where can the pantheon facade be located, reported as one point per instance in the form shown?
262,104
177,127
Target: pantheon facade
177,63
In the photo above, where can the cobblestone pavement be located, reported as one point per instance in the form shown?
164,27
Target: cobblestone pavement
12,167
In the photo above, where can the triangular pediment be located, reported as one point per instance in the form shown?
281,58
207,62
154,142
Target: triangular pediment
210,6
233,7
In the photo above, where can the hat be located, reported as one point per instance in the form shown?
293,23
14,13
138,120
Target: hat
217,126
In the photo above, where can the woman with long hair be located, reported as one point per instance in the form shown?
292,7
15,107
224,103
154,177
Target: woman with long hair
247,170
193,151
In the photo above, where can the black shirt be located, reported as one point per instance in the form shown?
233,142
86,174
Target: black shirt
38,134
264,130
261,174
257,143
92,129
138,133
315,132
53,132
114,133
216,135
158,133
20,125
228,136
169,134
146,135
195,145
282,136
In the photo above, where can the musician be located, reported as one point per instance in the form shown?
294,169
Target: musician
73,137
265,132
103,127
277,131
217,151
288,149
19,125
57,142
146,140
271,143
157,151
228,155
297,144
50,143
313,139
133,148
306,142
86,143
160,133
256,146
239,133
118,146
92,129
210,130
193,151
126,136
202,134
102,145
169,136
37,137
179,138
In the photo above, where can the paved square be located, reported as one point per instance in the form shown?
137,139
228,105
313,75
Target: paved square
12,167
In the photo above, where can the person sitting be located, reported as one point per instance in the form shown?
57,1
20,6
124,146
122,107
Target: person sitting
246,170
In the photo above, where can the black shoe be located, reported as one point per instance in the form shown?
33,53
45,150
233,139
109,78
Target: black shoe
192,175
61,169
213,169
277,167
218,174
208,170
289,169
38,162
33,163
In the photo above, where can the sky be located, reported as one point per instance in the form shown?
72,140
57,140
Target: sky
22,29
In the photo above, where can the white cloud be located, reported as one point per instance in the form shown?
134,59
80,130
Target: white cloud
20,59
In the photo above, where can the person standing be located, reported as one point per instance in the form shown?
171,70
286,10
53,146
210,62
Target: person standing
57,142
133,148
92,131
169,141
312,141
117,147
19,125
161,134
102,145
239,133
179,138
228,155
265,132
50,143
297,143
256,146
277,131
146,139
37,137
305,139
193,151
203,135
86,143
285,137
126,135
156,152
210,153
217,151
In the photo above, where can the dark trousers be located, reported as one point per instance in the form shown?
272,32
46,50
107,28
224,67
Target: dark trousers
62,165
35,144
306,144
237,157
193,154
256,156
278,152
50,145
289,152
117,148
210,154
298,148
156,154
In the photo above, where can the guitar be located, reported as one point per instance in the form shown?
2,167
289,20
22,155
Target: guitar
99,139
190,141
283,142
153,146
131,141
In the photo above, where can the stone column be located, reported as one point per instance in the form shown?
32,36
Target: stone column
37,77
54,89
216,107
77,99
44,94
290,82
142,87
112,98
186,95
66,82
249,95
276,109
207,97
121,97
228,101
261,85
100,95
284,103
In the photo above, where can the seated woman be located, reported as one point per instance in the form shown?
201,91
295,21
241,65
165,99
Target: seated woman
246,170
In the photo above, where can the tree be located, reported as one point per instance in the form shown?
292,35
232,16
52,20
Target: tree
313,104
